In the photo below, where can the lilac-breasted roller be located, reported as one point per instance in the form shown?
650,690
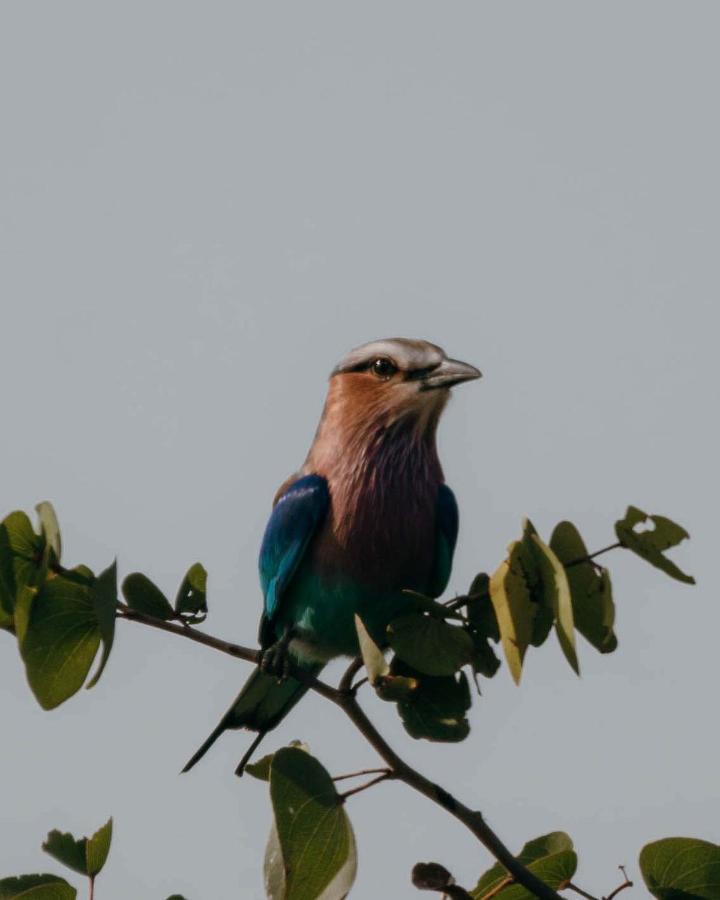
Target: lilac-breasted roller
367,516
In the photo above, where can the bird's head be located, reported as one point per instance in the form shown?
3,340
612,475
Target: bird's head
394,380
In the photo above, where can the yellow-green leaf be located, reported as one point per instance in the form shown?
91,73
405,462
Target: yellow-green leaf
652,544
514,609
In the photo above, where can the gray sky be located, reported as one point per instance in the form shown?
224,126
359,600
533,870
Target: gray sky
203,207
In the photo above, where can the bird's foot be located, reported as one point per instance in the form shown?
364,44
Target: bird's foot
275,660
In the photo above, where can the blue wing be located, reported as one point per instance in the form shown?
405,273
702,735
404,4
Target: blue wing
295,518
446,531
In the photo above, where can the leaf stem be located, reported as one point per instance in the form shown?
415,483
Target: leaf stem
591,556
626,884
574,887
359,773
368,784
91,895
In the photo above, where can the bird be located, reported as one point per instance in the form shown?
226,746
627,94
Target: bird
365,520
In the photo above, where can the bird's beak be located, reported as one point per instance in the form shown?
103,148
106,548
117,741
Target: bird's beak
450,372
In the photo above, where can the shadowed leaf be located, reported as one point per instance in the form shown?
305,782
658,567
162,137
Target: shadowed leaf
261,768
191,600
104,599
550,857
430,645
61,640
436,709
555,593
308,814
590,589
144,596
36,887
422,604
681,869
21,552
651,545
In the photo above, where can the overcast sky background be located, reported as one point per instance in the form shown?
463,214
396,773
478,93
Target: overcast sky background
203,207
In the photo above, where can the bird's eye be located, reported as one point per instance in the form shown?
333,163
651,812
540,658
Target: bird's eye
383,368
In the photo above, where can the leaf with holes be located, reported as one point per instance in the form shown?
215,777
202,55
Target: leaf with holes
652,544
308,814
681,868
590,589
191,600
36,887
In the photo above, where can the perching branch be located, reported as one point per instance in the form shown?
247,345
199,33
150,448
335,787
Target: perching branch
344,697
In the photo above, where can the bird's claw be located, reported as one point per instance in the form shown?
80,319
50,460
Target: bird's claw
275,660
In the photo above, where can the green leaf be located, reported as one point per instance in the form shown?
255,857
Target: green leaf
681,868
514,608
556,593
50,528
590,589
550,857
21,552
437,706
430,645
191,600
313,853
393,688
61,640
145,597
104,599
66,849
261,768
98,847
375,663
84,855
651,545
36,887
480,611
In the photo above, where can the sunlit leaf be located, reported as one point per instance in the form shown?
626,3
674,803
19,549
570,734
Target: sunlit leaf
681,868
36,887
652,544
144,596
430,645
98,847
308,814
61,640
550,857
514,608
50,527
375,663
104,598
590,589
191,600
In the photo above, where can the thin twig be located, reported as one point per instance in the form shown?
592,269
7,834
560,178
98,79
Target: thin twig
345,685
574,887
368,784
472,819
591,556
626,884
359,773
